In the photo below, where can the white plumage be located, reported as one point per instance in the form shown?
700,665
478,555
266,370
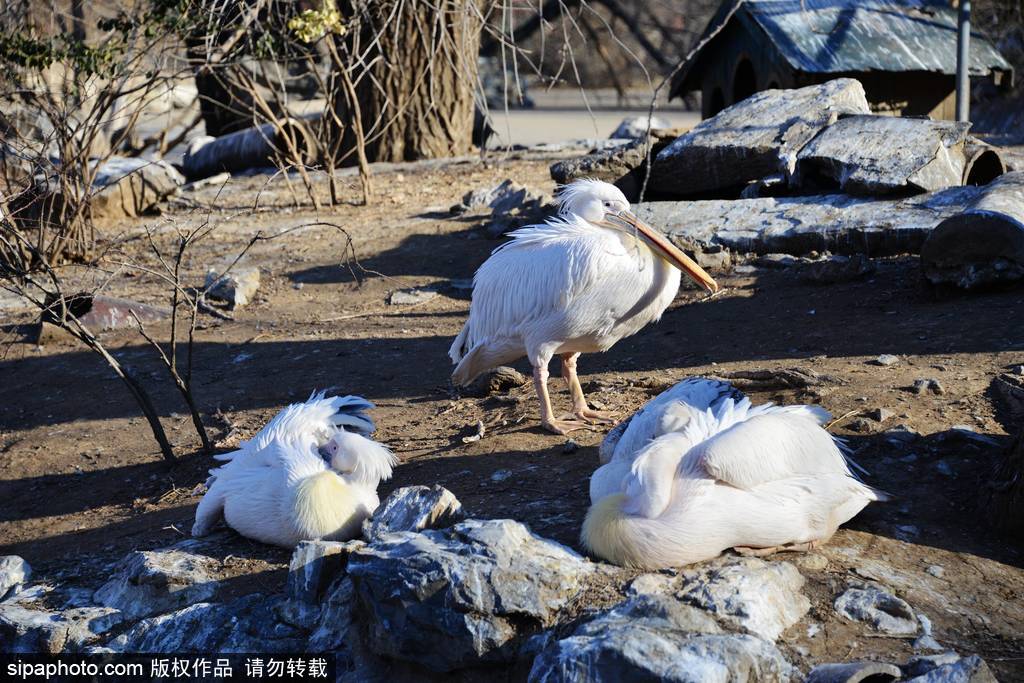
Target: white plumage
576,284
699,470
310,473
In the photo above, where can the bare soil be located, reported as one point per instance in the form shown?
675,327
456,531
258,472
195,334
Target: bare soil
82,482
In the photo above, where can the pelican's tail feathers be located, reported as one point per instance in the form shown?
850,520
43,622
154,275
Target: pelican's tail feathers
609,533
485,354
617,536
350,414
458,348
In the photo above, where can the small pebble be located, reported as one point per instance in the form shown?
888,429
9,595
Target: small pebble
501,475
570,447
880,414
924,386
886,359
935,570
945,468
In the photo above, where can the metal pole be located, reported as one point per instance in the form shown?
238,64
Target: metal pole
963,60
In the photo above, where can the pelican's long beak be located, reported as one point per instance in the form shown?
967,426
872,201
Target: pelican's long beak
664,248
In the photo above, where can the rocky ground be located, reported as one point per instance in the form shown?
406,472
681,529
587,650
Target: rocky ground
906,370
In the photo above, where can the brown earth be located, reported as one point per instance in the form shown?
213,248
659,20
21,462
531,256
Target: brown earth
82,482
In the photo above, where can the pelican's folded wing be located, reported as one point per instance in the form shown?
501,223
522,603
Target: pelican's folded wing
773,445
649,422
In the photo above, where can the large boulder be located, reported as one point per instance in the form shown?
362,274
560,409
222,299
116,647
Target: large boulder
132,186
28,627
148,582
462,596
753,139
246,624
657,638
878,155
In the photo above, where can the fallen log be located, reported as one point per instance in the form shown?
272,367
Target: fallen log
753,139
878,155
984,243
260,147
985,162
799,225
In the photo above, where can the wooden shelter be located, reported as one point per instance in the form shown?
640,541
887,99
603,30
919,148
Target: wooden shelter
902,51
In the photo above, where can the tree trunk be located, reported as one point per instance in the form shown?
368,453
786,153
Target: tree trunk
415,97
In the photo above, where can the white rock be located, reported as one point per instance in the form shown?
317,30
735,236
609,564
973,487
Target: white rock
658,638
26,627
150,582
14,572
881,610
971,669
634,127
414,508
763,598
411,297
237,288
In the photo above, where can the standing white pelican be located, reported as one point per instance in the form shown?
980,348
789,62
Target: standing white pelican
705,471
575,284
310,473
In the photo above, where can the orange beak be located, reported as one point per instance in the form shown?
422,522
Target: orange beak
664,248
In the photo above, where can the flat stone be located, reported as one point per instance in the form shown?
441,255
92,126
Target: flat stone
462,596
414,508
14,572
657,638
637,127
801,225
879,609
237,287
148,582
411,297
835,269
887,359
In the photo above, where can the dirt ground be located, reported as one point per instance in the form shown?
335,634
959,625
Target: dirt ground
82,481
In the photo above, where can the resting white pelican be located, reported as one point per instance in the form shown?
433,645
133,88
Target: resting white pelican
576,284
698,471
310,473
